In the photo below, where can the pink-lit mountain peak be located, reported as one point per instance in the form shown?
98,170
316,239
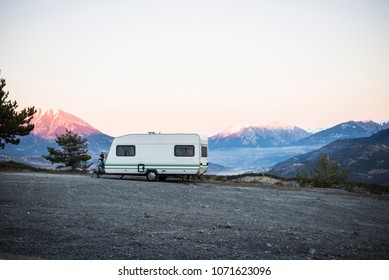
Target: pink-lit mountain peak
237,130
277,125
49,124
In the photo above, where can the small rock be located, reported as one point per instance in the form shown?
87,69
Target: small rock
228,225
146,215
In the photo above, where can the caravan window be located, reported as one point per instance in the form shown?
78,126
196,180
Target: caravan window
125,151
204,151
184,151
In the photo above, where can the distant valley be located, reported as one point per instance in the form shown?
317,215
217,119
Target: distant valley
366,157
283,150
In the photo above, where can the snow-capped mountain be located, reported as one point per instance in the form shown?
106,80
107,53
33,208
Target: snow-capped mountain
350,129
49,124
273,134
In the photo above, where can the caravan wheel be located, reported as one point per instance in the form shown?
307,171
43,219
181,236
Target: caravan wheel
152,175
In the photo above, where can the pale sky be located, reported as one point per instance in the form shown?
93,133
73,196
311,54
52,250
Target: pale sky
198,66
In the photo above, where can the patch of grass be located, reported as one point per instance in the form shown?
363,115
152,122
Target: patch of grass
358,187
9,165
354,187
227,178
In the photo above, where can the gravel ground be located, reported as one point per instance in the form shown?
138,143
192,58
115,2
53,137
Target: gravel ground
50,216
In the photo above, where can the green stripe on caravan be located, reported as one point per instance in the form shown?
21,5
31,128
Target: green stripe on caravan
151,165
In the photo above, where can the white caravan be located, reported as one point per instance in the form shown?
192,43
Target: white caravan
158,155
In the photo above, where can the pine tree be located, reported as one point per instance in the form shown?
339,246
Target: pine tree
74,153
326,173
13,123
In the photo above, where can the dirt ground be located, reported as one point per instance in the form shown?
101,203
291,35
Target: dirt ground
50,216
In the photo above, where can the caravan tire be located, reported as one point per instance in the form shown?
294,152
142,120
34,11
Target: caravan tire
152,175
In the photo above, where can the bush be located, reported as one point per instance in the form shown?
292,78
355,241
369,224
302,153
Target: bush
302,178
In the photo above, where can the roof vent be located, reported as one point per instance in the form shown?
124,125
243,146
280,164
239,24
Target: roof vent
151,132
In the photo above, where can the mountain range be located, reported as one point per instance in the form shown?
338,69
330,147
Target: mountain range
281,141
351,129
366,157
281,135
274,134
